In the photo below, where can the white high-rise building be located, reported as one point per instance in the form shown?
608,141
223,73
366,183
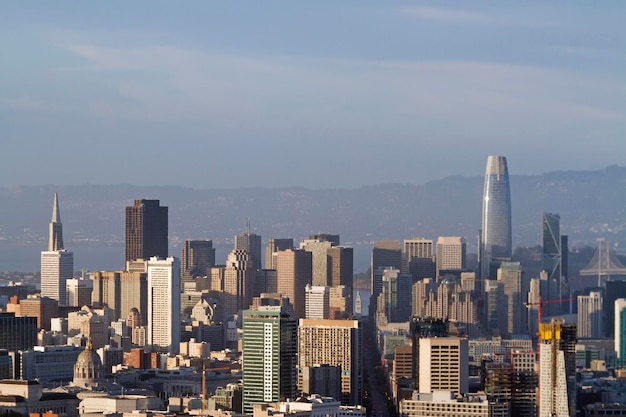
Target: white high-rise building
57,264
164,304
590,315
450,253
418,247
553,399
443,364
317,300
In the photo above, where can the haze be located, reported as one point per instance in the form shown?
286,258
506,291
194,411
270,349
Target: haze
315,94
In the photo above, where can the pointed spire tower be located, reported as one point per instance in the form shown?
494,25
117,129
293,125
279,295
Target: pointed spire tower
55,236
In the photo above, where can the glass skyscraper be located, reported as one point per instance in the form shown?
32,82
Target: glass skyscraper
495,238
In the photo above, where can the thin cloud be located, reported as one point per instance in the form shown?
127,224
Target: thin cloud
439,14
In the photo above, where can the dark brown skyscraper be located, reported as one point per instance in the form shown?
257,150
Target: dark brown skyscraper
146,230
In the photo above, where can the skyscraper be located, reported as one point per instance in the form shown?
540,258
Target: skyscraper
197,257
164,304
293,271
57,264
146,230
590,315
552,263
239,275
273,246
444,364
386,254
251,243
510,275
451,254
269,356
334,343
496,222
340,266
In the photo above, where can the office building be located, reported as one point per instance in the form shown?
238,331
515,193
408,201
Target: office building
510,275
495,237
620,331
418,247
451,254
197,257
57,264
269,356
146,230
552,261
78,292
386,254
319,260
613,290
443,364
273,246
250,243
294,272
340,266
394,302
317,302
323,380
326,237
239,275
334,343
418,259
447,404
340,302
164,305
425,327
17,333
122,292
43,308
590,323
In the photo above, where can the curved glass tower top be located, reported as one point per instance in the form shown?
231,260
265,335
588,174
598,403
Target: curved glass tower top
496,224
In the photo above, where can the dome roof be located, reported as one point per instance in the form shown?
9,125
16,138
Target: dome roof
449,281
88,370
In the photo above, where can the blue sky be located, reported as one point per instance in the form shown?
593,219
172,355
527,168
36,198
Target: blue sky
308,93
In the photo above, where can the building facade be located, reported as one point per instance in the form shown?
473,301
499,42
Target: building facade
164,305
495,237
146,230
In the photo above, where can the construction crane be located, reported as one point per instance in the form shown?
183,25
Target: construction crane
540,303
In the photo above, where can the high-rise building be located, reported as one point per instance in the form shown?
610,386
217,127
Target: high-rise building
424,327
496,243
317,302
341,266
510,275
620,331
293,271
239,275
613,290
394,302
556,347
146,230
590,323
43,308
273,246
319,260
334,343
250,243
553,259
444,364
386,254
122,292
164,304
197,257
57,264
17,333
326,237
270,350
451,254
78,291
418,247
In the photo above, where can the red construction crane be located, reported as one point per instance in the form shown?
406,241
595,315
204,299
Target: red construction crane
540,304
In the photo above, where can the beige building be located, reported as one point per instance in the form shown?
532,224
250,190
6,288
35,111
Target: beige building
443,364
293,273
334,343
239,276
121,291
450,253
446,404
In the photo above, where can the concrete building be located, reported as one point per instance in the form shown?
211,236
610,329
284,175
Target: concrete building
43,308
146,230
17,333
319,260
620,331
122,292
164,305
239,275
443,364
78,291
197,257
590,323
340,266
294,272
451,254
269,356
317,302
446,404
48,363
250,243
24,397
386,254
273,246
334,343
510,275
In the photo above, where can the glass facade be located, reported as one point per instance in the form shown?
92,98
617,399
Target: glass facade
496,221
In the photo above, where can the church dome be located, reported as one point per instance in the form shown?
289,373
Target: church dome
88,370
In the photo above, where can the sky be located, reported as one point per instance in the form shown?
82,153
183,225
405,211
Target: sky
317,94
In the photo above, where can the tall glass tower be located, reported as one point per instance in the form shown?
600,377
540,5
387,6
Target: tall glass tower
495,238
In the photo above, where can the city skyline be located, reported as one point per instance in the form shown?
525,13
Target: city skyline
445,82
